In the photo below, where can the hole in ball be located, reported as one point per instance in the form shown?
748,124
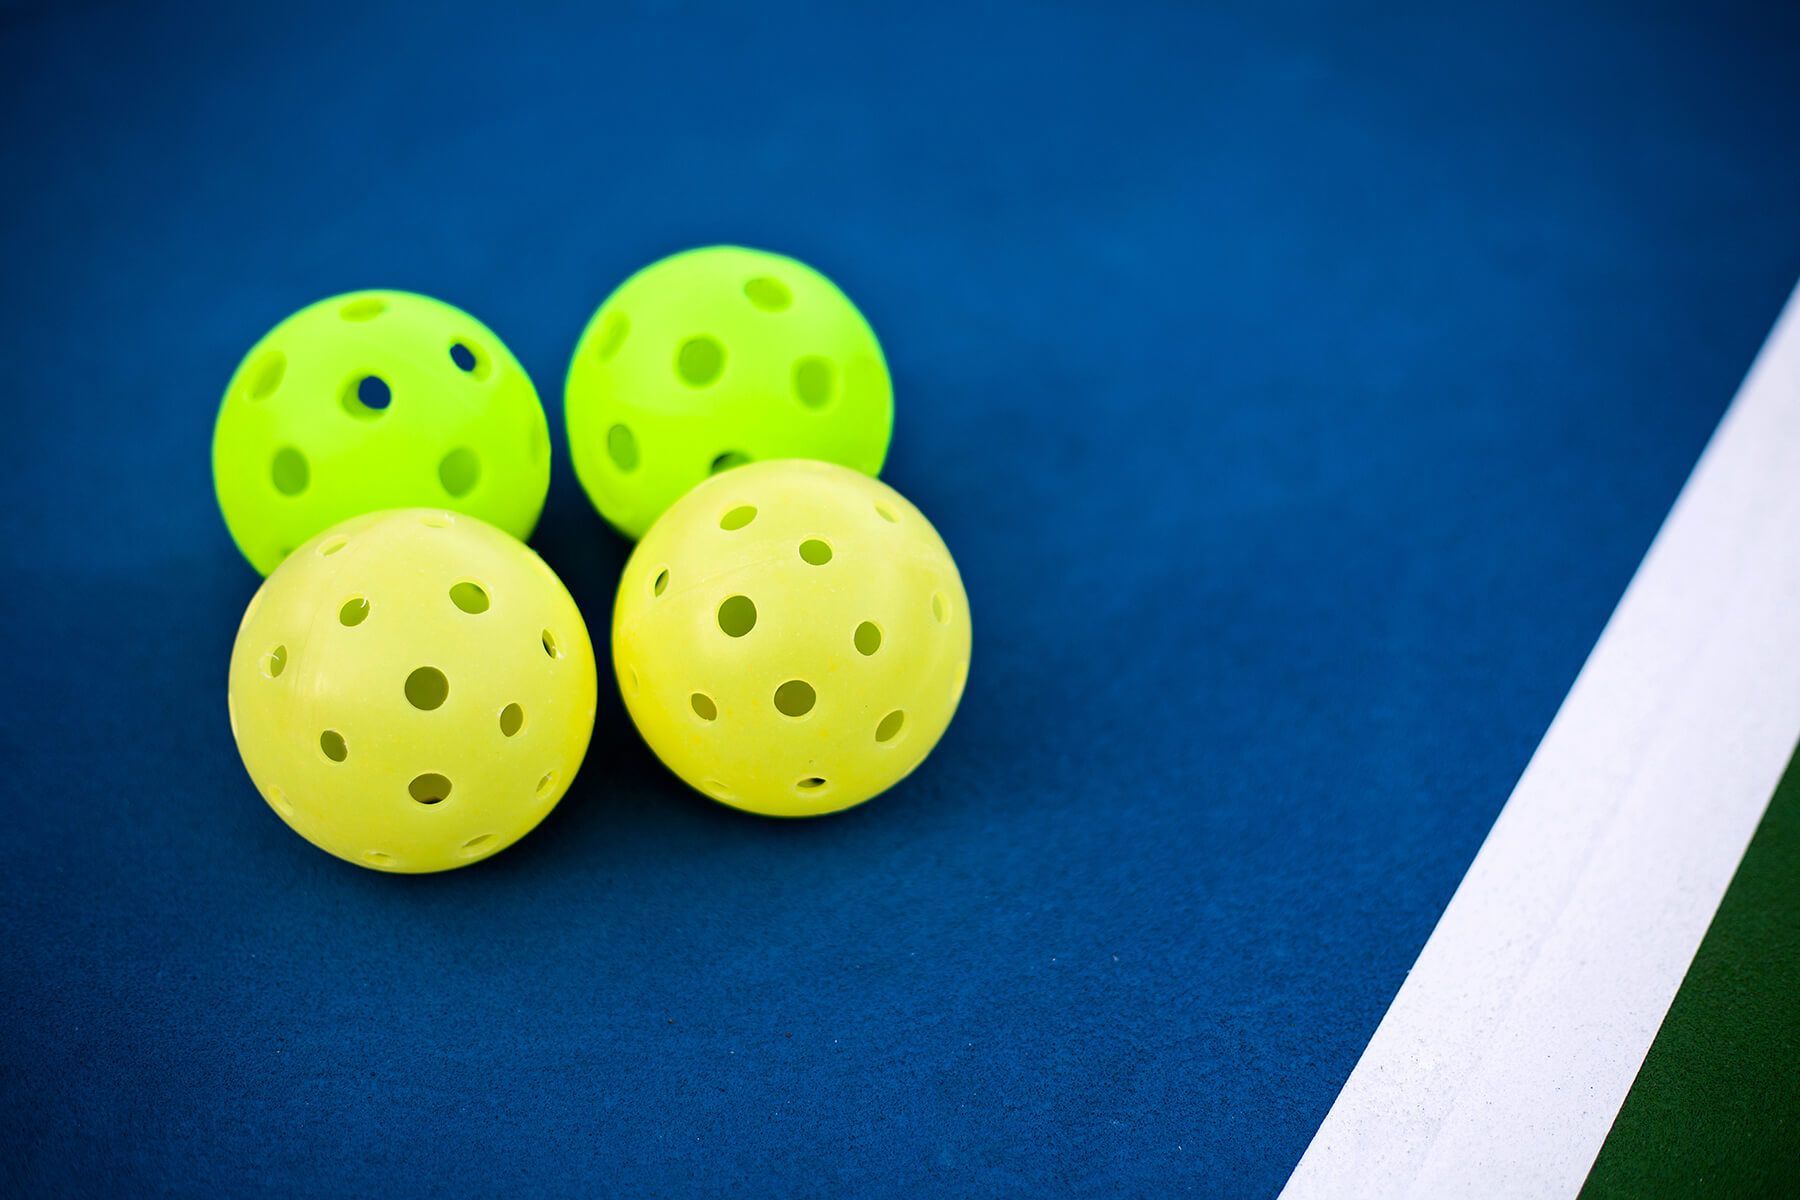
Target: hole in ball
512,719
728,460
470,597
737,616
812,382
699,361
363,308
332,743
795,698
367,397
430,788
459,471
738,517
868,638
267,375
621,447
613,328
288,471
426,688
770,295
354,612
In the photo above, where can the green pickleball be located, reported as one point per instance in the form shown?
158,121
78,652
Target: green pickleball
714,358
376,400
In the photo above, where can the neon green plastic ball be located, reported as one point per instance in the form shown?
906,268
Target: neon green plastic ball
713,358
376,400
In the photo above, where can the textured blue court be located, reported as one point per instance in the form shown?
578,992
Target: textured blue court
1298,388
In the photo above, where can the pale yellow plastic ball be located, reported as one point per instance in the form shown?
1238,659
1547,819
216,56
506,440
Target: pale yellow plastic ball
412,690
791,637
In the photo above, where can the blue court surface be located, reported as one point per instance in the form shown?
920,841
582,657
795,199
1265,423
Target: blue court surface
1298,387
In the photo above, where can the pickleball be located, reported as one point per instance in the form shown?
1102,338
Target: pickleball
412,690
714,358
791,637
375,400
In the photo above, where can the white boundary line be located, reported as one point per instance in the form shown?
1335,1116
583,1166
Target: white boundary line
1506,1055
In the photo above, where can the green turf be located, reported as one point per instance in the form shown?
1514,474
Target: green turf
1715,1111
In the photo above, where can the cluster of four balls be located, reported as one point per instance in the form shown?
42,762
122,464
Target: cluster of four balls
413,689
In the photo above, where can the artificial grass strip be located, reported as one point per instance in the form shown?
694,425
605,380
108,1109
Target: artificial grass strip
1715,1110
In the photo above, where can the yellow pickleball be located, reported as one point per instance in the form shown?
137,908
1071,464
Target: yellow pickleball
713,358
791,637
412,690
376,400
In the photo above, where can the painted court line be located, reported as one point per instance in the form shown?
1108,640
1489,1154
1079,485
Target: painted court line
1508,1051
